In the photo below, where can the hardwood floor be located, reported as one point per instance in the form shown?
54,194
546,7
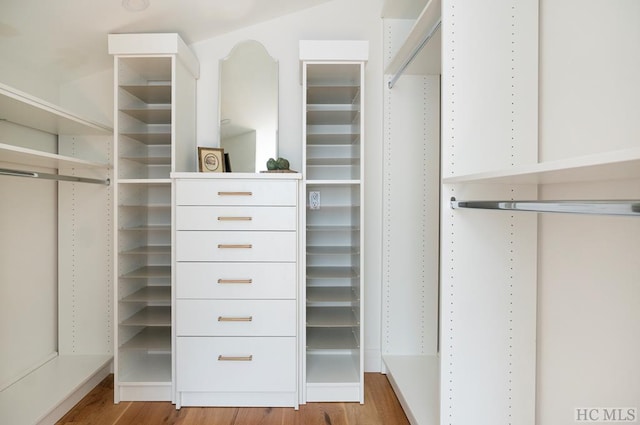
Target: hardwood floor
381,407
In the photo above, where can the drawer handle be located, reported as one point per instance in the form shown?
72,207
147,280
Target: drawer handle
235,319
246,246
235,218
235,193
248,358
235,281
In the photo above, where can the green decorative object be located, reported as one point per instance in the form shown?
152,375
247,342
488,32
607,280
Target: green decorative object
282,164
272,164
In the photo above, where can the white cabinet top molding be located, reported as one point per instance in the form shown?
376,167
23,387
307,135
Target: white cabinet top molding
334,50
154,44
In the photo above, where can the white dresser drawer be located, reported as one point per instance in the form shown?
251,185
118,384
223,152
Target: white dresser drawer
236,364
236,280
235,218
235,246
236,192
236,318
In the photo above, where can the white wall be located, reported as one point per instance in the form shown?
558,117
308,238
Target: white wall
14,73
338,19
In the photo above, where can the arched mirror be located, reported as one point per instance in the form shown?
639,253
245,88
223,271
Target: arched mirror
249,107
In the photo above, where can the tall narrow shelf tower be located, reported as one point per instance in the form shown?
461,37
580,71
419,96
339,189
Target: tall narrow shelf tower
155,135
333,105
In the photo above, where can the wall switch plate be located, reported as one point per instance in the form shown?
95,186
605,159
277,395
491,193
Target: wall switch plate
314,200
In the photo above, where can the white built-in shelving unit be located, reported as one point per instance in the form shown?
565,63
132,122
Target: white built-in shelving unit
521,294
411,186
83,353
155,135
333,105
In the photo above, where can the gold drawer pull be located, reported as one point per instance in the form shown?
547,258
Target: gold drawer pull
235,280
223,246
235,358
235,218
235,193
235,319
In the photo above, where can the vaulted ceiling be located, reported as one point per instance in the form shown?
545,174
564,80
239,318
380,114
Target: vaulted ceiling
67,38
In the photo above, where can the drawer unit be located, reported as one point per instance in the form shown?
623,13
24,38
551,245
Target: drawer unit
236,246
236,306
236,192
236,318
236,364
235,218
236,280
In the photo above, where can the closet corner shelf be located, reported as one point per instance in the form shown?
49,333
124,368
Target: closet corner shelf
420,398
615,165
29,111
39,396
34,158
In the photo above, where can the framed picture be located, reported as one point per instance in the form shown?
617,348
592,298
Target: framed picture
211,160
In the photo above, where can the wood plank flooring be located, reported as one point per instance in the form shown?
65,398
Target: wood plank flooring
381,407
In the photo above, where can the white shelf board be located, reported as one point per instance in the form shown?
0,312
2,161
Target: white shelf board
328,294
149,271
429,62
29,111
614,165
151,369
34,158
324,139
327,182
416,382
151,93
150,182
320,272
329,116
331,339
148,228
332,368
332,94
331,107
154,114
150,294
50,387
333,162
331,317
146,207
150,138
149,250
332,250
150,316
149,160
156,339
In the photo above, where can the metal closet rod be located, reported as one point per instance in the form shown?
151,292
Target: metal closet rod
38,175
617,207
414,53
